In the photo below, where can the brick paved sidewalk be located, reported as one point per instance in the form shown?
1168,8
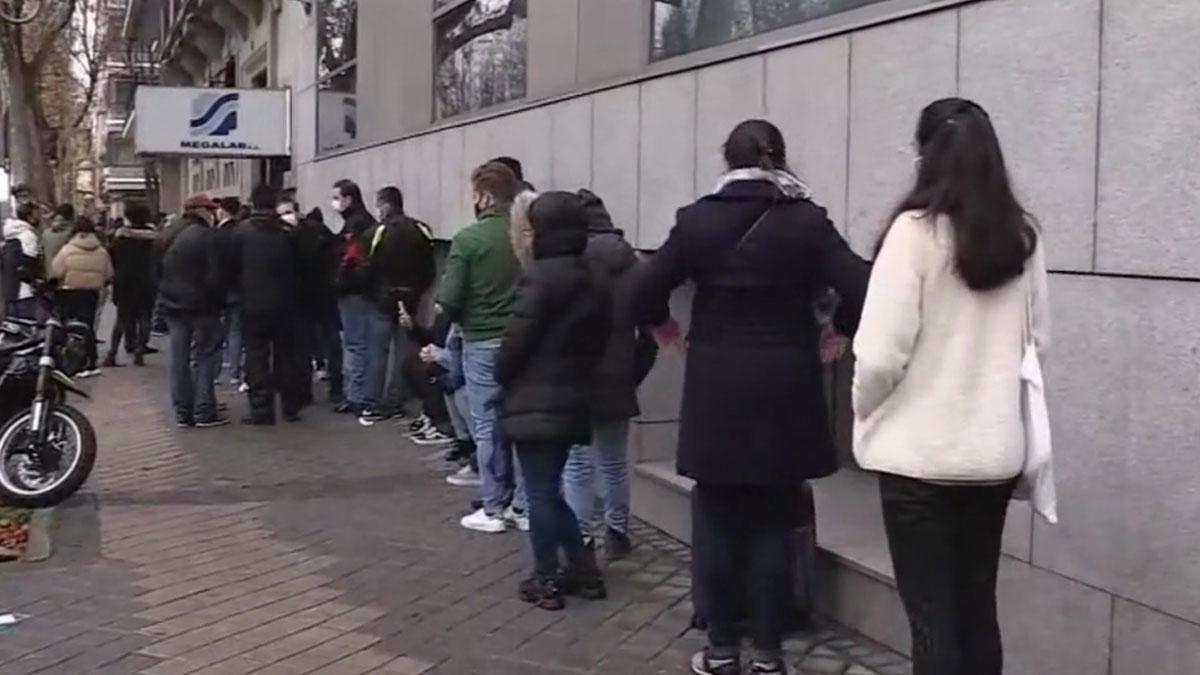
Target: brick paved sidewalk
323,548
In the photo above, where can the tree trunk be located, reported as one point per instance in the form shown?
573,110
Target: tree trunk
27,144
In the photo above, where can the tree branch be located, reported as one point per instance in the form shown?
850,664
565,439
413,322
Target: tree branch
57,27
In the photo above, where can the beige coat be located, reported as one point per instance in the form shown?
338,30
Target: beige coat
82,264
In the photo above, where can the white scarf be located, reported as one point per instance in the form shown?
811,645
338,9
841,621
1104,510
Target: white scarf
787,182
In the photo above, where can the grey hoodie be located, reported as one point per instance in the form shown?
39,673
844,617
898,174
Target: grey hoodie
55,237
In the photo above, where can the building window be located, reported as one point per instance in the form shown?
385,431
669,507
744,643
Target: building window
229,174
481,54
683,26
197,184
210,178
337,74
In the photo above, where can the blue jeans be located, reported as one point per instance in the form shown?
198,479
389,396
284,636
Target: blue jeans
552,524
610,441
379,339
195,360
356,329
502,482
233,343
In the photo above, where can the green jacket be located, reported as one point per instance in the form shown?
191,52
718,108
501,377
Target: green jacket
480,280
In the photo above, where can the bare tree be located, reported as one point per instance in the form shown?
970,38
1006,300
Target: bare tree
49,68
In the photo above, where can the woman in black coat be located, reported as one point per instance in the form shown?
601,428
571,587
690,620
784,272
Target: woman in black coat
545,368
754,423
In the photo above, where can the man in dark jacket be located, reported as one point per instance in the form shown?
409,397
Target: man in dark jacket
546,365
317,248
190,293
262,267
400,273
355,308
628,358
132,252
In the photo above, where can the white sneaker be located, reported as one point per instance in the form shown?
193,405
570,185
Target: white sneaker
519,519
243,387
480,521
464,477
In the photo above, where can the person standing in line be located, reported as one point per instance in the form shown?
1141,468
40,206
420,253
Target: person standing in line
760,252
261,264
959,283
228,212
355,309
627,361
545,366
308,267
400,270
190,296
82,268
60,231
22,262
132,253
477,292
318,251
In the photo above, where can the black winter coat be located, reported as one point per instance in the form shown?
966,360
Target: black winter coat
317,251
190,271
132,251
754,409
631,351
401,266
555,339
352,251
262,266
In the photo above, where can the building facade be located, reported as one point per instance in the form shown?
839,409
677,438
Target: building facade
1095,104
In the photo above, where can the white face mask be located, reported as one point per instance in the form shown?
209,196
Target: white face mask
289,218
337,205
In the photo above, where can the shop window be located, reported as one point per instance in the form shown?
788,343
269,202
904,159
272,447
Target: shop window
683,26
337,74
480,54
229,174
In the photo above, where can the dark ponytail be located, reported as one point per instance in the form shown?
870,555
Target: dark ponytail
962,176
756,144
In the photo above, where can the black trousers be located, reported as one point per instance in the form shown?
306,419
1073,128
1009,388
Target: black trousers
80,305
741,548
271,365
945,546
132,325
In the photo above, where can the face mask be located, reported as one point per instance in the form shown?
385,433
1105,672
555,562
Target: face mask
338,205
289,218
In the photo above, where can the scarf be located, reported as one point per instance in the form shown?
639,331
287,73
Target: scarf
787,182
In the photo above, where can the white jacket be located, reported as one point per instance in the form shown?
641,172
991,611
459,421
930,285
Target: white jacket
937,382
31,246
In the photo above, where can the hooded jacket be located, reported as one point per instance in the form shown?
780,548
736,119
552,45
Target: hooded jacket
262,266
22,261
631,349
190,281
558,331
55,237
82,264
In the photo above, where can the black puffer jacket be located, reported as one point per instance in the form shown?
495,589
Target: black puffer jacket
401,266
558,332
132,251
262,265
631,351
190,281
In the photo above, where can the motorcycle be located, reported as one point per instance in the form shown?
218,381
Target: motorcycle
47,447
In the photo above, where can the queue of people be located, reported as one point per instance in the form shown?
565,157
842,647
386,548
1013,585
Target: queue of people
545,322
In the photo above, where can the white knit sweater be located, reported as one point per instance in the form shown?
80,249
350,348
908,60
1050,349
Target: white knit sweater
937,381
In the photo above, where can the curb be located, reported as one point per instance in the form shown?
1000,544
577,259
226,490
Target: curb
40,545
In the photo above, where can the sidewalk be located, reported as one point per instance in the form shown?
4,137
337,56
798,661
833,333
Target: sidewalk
321,547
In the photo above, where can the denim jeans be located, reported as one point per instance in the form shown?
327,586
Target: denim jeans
502,481
945,545
195,359
356,331
380,329
460,414
552,524
233,343
742,559
608,453
399,388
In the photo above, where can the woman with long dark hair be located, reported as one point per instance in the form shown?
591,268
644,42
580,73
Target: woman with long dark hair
959,282
754,424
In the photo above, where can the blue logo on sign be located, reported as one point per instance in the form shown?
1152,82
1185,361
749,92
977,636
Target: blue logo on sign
214,114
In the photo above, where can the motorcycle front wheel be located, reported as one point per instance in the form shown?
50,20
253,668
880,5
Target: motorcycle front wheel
34,477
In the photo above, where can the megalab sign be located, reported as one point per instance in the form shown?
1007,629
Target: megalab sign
212,122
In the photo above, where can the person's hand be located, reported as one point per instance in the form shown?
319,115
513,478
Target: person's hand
428,354
832,346
669,335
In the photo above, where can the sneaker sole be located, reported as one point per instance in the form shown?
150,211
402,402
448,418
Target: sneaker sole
487,530
472,483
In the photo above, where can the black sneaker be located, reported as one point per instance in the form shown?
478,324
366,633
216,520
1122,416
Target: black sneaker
184,422
703,664
617,545
775,667
544,593
586,585
210,422
369,417
419,425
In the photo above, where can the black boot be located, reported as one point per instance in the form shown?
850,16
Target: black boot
543,592
583,578
617,545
